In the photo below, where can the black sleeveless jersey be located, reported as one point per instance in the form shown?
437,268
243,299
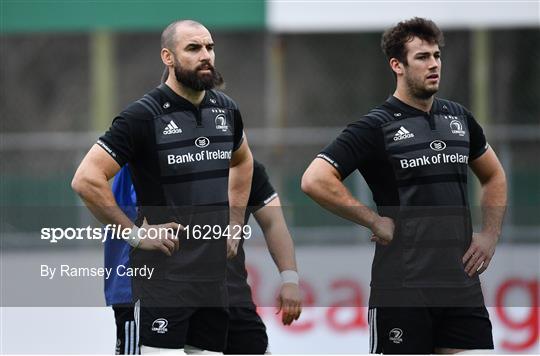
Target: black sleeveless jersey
179,157
416,165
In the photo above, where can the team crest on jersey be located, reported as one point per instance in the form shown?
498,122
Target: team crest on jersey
160,325
221,123
396,335
457,128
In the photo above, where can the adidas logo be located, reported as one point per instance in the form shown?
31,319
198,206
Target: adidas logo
402,134
171,128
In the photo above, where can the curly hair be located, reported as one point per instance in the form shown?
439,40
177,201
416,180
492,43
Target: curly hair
394,39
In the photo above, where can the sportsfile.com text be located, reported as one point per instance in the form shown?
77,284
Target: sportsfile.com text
113,231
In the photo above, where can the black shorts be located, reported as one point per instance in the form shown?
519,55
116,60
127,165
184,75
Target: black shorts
127,333
174,328
395,330
174,314
247,332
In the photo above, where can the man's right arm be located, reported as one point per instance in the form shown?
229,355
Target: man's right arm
322,183
91,182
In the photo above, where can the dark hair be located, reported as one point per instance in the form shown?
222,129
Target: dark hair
394,39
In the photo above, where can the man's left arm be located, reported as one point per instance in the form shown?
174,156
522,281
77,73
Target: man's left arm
490,173
240,174
281,247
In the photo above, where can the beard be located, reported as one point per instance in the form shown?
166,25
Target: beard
419,90
196,81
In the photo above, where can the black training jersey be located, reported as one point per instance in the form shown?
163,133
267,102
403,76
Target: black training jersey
415,164
261,194
179,159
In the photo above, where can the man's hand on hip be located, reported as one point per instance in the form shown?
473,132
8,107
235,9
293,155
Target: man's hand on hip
383,230
162,237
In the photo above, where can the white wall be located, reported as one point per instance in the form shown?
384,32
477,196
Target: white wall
325,16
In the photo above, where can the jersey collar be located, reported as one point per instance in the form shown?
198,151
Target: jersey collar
392,100
180,101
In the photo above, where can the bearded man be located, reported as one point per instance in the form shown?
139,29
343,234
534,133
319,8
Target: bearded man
191,168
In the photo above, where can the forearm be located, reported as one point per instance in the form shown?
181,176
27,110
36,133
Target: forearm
493,204
345,205
281,247
91,183
99,199
240,177
331,194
